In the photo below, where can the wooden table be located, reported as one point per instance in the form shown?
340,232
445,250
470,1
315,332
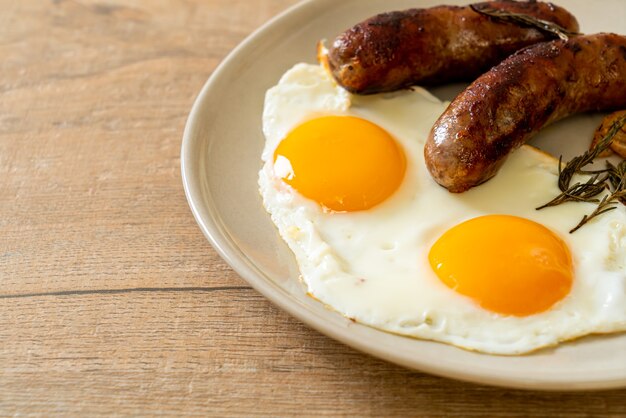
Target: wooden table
111,300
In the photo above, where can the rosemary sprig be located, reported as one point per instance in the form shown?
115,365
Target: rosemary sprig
576,164
607,204
613,180
523,19
580,192
617,177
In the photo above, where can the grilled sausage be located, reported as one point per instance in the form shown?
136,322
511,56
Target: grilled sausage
434,46
510,103
618,145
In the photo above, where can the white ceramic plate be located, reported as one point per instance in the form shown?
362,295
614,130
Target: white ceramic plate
221,157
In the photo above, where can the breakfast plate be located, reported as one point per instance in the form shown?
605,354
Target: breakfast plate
220,160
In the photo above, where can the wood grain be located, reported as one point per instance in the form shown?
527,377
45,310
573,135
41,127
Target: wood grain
111,300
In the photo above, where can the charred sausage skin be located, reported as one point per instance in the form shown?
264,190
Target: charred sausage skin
509,104
442,44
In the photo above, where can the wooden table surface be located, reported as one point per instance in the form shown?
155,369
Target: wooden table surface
111,300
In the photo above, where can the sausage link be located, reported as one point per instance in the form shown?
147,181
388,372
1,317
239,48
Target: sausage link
509,104
618,145
442,44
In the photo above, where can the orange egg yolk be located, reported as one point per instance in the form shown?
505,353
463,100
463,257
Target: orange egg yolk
507,264
344,163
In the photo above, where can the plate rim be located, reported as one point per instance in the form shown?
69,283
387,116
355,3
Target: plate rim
214,231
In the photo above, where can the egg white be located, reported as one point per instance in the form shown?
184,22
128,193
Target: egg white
372,266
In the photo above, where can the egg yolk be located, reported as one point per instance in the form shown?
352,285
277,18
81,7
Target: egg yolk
507,264
344,163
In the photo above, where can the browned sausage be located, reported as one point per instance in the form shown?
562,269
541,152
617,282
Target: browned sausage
510,103
618,145
433,46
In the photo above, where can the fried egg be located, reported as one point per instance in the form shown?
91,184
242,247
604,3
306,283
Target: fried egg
378,241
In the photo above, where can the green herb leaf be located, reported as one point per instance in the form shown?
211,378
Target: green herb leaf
614,180
525,20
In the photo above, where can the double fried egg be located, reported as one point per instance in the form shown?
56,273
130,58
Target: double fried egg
377,240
